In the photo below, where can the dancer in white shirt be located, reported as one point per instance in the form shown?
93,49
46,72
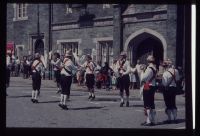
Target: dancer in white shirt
56,62
148,79
122,70
67,69
37,69
169,80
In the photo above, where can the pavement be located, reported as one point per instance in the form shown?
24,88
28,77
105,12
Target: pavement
103,112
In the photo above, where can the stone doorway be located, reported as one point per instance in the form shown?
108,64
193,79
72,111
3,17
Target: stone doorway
143,45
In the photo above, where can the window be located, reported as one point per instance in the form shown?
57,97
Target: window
20,12
105,52
106,6
68,9
69,45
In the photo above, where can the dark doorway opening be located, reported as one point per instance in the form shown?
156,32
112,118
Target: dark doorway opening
143,45
39,46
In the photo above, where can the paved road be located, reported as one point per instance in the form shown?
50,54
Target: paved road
104,112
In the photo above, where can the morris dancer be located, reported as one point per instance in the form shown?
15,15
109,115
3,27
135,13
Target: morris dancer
56,62
37,69
169,79
67,69
123,69
8,68
148,79
89,65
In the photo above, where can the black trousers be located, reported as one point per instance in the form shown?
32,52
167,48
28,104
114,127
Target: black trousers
36,78
7,77
65,82
170,98
148,98
57,75
124,83
26,70
90,81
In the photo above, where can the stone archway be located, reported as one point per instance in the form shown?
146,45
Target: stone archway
143,43
149,31
39,46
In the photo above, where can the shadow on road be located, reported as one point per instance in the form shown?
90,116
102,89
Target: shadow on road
178,121
137,105
87,108
49,102
106,99
19,96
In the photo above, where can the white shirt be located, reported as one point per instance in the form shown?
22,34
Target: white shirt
87,65
138,68
28,62
167,77
8,62
97,69
132,77
56,64
68,64
125,69
148,74
39,67
17,61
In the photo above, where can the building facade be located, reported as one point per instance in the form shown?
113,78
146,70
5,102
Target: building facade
102,30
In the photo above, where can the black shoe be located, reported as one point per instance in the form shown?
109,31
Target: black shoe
90,97
36,101
142,124
121,104
33,100
175,121
38,93
65,107
127,104
149,124
60,105
167,122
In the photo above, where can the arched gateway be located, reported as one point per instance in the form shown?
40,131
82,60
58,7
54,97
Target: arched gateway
144,42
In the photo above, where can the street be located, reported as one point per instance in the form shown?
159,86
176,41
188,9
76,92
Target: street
103,112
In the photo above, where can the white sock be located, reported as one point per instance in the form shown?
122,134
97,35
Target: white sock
65,98
174,113
61,99
148,116
33,94
90,94
169,114
36,94
122,99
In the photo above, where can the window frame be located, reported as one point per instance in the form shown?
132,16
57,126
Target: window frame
68,9
106,6
20,12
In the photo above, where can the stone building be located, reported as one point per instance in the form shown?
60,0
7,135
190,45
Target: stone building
103,30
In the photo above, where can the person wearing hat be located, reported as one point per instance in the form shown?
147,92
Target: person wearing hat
56,62
149,82
37,68
90,66
142,69
169,79
8,69
122,70
67,68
